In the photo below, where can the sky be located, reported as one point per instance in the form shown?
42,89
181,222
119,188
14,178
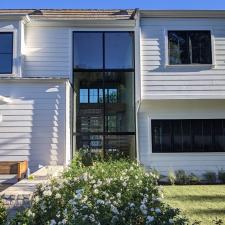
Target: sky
113,4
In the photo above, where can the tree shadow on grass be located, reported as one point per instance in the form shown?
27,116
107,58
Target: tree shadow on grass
204,198
215,212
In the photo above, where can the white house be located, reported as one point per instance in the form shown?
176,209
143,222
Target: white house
148,84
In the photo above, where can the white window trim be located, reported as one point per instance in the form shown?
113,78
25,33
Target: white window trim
165,31
15,52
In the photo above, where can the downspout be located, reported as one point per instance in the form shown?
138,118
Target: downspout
137,77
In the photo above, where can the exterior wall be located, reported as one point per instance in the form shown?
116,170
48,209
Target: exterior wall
178,109
47,51
161,81
33,125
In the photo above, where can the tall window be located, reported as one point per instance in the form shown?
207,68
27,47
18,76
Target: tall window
196,135
104,86
189,47
6,52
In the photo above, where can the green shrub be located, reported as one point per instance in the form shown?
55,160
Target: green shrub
221,176
3,214
210,176
193,179
172,177
114,192
181,177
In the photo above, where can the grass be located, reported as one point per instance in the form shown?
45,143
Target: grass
198,202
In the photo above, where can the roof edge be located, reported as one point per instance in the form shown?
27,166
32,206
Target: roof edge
183,13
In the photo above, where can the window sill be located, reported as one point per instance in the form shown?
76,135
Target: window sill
207,66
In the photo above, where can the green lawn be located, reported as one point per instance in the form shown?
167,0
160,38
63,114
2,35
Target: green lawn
198,202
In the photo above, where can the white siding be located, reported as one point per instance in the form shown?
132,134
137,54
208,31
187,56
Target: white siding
47,52
33,125
179,109
161,81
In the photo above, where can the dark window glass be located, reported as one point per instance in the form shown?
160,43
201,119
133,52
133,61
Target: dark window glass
104,90
88,50
6,52
119,50
120,99
188,135
190,47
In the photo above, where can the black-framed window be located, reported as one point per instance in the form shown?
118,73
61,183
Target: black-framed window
188,135
190,47
6,52
104,86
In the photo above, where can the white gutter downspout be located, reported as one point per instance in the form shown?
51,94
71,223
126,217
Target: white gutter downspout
137,77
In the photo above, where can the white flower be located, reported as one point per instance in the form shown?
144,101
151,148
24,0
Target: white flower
157,210
118,195
143,209
124,184
78,196
114,209
100,202
47,193
96,191
171,221
52,222
57,196
150,219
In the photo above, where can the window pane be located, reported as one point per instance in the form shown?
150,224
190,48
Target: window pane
190,47
178,47
200,42
120,99
89,110
93,95
119,50
88,50
5,63
6,43
197,135
83,95
120,145
177,136
186,135
92,142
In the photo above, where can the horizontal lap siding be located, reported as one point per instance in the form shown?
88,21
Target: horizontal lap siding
47,51
178,109
159,79
33,126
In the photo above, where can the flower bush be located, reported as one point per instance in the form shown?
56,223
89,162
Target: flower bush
3,214
106,193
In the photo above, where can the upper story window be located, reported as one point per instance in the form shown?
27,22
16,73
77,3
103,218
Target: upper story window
6,52
103,50
189,47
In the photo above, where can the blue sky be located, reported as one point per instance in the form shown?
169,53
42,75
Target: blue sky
114,4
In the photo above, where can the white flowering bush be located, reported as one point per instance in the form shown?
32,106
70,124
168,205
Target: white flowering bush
106,193
3,214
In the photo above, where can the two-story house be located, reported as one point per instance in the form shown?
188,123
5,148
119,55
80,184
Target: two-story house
146,84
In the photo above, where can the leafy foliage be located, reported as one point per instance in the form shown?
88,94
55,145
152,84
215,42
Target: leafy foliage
3,214
114,192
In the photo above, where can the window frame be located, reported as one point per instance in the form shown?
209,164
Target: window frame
202,28
150,135
105,70
14,52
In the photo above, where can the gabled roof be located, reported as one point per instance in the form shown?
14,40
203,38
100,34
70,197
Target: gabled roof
90,14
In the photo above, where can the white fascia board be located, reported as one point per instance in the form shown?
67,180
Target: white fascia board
82,23
183,13
24,17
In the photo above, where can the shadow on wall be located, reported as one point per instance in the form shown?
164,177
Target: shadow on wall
33,124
